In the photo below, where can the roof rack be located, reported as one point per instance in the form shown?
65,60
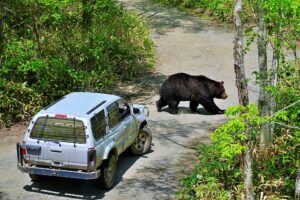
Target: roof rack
97,106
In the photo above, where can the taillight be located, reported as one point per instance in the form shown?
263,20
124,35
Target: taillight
92,154
23,151
91,159
23,148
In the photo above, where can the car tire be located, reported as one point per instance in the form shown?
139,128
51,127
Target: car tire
108,172
36,177
142,143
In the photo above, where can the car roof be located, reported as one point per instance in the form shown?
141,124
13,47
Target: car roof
79,103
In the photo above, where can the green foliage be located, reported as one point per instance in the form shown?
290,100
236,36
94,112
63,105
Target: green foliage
288,91
276,171
52,47
219,174
12,109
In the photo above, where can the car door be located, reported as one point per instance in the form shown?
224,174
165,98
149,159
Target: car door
127,122
116,129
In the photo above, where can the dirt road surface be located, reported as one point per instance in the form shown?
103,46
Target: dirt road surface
184,43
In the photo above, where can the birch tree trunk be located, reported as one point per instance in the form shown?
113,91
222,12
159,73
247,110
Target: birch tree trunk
242,93
297,188
248,173
266,136
239,56
273,80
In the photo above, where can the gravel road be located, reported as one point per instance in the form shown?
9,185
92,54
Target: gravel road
184,43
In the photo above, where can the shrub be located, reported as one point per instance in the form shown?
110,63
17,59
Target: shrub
112,46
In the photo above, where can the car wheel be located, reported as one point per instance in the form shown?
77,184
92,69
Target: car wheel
108,172
35,177
142,143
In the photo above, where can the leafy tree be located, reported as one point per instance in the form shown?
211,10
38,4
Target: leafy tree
278,24
49,48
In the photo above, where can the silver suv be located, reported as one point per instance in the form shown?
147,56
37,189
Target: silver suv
81,136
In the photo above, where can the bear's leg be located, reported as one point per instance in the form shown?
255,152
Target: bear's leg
173,106
194,105
160,104
210,106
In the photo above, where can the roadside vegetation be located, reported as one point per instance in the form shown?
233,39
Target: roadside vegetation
50,48
255,155
219,174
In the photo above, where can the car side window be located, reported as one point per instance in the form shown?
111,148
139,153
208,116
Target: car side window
98,125
114,116
124,110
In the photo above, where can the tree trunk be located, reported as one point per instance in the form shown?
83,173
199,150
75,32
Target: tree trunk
1,36
273,80
239,57
242,93
266,136
36,30
297,187
248,173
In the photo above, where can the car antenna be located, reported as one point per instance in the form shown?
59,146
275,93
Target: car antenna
44,125
74,133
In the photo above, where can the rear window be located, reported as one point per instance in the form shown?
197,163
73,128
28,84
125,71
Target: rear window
57,129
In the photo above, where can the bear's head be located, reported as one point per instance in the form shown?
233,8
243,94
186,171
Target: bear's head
220,90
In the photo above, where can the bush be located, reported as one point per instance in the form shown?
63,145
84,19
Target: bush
219,174
81,47
18,102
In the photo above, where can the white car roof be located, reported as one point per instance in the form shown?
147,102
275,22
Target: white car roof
79,103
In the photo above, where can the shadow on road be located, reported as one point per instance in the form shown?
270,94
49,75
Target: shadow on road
185,135
80,189
161,177
142,89
187,110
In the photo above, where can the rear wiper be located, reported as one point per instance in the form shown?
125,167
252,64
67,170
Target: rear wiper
54,141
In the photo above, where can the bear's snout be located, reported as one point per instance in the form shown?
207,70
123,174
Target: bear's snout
224,95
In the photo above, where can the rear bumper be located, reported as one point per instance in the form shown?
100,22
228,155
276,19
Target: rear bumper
59,172
53,172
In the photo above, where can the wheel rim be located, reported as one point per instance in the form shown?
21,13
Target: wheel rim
111,170
141,141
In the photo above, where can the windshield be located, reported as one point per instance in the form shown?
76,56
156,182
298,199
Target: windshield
58,129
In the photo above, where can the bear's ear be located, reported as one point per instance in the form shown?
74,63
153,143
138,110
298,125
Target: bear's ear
222,82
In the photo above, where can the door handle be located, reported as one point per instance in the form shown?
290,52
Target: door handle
57,150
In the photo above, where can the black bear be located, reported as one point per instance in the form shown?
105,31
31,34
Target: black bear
196,89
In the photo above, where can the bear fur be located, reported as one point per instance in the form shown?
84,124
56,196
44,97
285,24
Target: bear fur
196,89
